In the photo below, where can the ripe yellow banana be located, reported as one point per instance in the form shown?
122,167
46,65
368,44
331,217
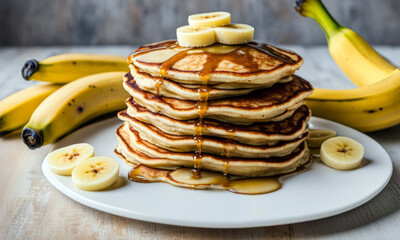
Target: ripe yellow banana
73,105
16,109
357,59
65,68
368,108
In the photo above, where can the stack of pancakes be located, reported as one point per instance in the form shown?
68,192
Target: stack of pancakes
236,110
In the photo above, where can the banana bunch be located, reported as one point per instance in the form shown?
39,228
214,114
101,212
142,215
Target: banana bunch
205,29
375,104
46,112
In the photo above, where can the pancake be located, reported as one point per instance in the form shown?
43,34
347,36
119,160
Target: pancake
195,113
268,133
135,150
213,145
269,104
250,63
168,88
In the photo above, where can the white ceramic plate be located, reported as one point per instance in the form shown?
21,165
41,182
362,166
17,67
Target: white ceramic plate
317,193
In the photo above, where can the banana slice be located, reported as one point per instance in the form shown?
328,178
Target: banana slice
318,136
212,19
189,36
234,34
95,173
62,161
342,153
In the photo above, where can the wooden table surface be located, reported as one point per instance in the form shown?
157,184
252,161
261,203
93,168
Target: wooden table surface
31,208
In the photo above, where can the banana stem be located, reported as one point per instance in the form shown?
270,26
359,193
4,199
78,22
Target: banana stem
317,11
33,139
29,68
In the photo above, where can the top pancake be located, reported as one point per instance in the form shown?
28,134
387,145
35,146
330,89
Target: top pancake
250,63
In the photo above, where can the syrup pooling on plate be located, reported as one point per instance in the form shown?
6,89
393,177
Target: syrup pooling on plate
252,186
183,177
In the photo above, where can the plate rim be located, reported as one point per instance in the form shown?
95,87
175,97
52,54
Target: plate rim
114,210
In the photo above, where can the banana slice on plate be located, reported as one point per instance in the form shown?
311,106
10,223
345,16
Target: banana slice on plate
189,36
95,173
318,136
342,153
234,34
62,161
212,19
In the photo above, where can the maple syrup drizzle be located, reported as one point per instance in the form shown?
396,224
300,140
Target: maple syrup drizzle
202,106
226,182
198,139
240,55
166,66
228,154
158,83
212,62
228,146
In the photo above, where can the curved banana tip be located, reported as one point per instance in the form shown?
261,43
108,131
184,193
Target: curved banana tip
29,68
33,139
298,5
